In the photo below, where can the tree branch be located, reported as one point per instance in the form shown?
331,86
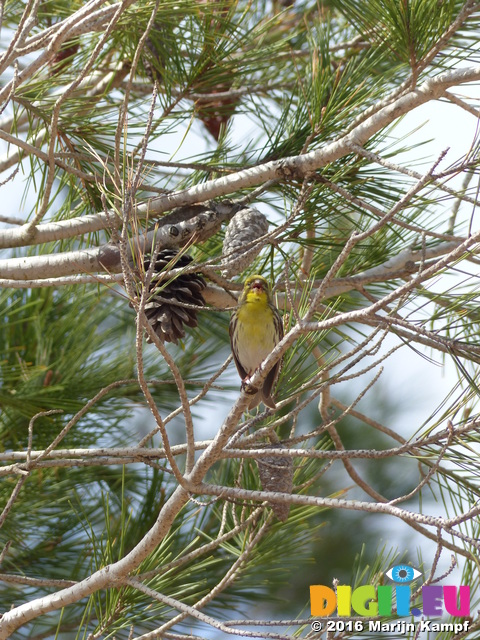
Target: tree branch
284,169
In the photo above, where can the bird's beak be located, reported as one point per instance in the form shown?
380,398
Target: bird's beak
257,285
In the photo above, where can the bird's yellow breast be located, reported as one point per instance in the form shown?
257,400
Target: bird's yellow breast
256,331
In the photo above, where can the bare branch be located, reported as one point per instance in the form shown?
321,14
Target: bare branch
431,89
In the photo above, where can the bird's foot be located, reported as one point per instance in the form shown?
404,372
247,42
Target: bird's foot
247,388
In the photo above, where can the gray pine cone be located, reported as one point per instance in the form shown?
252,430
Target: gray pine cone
276,474
163,309
246,226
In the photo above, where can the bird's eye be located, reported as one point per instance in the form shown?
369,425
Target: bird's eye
402,573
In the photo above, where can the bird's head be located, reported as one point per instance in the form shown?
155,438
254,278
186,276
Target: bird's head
256,289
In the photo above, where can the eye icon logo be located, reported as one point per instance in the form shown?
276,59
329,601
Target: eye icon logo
402,573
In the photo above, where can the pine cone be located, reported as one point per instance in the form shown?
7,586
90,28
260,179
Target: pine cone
63,57
276,474
215,112
246,226
163,309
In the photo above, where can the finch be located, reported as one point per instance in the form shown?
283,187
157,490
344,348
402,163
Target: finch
255,328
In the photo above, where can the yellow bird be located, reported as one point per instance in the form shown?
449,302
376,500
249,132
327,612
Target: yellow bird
255,328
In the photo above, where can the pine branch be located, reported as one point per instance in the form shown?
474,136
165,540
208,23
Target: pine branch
356,245
287,168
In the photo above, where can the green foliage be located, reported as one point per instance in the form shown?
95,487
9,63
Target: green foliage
255,83
405,29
